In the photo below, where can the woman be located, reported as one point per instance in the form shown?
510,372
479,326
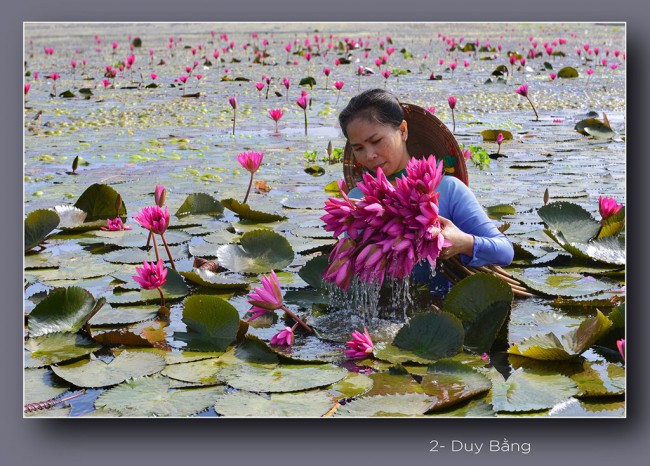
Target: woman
374,124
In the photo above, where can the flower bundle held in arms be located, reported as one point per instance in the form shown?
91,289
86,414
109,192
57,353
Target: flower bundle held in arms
390,230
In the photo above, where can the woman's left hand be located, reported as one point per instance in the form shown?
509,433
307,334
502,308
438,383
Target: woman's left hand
461,242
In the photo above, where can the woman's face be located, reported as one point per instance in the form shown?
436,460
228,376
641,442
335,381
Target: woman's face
378,145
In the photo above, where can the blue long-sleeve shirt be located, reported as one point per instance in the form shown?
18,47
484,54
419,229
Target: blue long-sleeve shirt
458,203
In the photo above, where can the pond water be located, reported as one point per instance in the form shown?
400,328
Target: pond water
131,136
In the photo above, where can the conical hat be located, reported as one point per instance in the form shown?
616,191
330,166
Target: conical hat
427,135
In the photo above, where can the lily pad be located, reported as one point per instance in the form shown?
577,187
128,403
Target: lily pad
63,310
99,202
70,216
593,126
482,302
123,315
490,135
138,256
54,348
212,322
576,224
244,404
245,212
499,210
281,378
600,379
613,225
203,371
97,373
395,355
573,343
173,288
567,72
41,385
38,225
394,405
151,396
210,279
571,285
452,383
353,385
599,407
525,391
312,271
138,238
431,335
200,203
258,251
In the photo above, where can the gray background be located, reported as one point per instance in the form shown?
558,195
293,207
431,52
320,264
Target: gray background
329,441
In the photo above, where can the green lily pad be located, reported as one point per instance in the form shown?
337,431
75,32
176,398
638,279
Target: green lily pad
54,348
244,404
315,170
473,409
525,391
151,396
138,256
353,385
138,238
281,378
40,385
245,212
573,343
308,81
212,323
544,281
499,210
38,225
613,225
99,202
452,382
482,302
395,355
200,203
123,315
576,224
394,405
258,251
593,125
249,225
312,271
173,288
97,373
490,135
203,371
63,310
599,407
610,250
77,266
568,72
600,379
210,279
431,335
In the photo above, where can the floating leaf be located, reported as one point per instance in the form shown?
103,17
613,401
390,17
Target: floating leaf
613,225
63,310
431,335
99,201
212,323
594,127
97,373
482,302
244,404
200,203
499,210
501,70
151,396
395,355
525,391
599,407
353,385
245,212
490,135
210,279
203,371
573,343
38,225
137,255
600,379
70,216
308,81
452,382
54,348
138,238
567,72
315,170
394,405
575,223
312,271
143,334
40,385
610,250
258,251
284,378
173,288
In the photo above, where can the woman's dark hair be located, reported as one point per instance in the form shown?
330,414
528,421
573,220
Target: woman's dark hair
376,105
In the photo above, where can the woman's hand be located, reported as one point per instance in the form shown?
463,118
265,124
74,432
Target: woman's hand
461,242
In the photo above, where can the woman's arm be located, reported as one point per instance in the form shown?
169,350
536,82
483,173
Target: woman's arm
458,204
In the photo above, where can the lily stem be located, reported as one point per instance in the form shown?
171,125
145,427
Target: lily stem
296,318
248,191
169,253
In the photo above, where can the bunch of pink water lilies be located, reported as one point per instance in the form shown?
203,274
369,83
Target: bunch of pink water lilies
388,231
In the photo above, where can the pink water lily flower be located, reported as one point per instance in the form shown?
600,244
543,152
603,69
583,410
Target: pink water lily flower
608,207
151,275
268,297
275,115
620,344
154,219
233,102
250,161
361,345
115,225
160,195
283,338
522,90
